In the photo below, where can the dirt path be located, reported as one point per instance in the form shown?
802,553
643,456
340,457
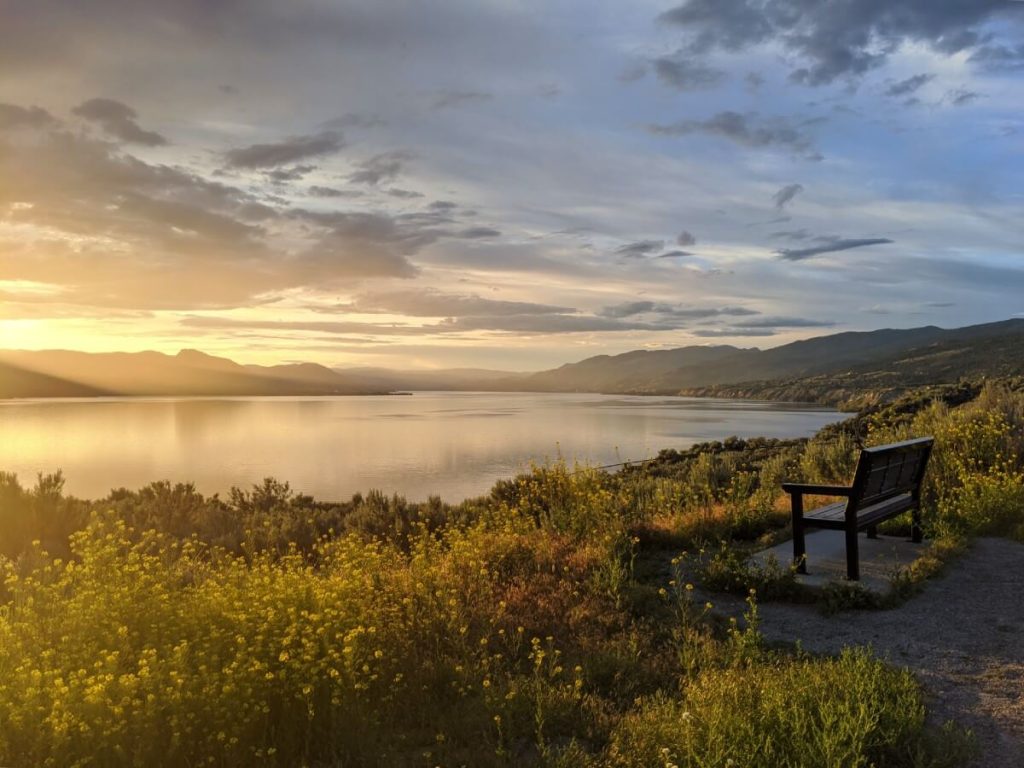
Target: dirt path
963,637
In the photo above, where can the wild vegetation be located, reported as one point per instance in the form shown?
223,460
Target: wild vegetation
163,627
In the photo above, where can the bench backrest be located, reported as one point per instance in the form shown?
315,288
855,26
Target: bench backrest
891,470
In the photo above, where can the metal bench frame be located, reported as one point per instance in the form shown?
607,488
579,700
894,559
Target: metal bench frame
887,483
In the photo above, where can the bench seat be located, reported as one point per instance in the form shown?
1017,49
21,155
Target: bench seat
887,483
833,516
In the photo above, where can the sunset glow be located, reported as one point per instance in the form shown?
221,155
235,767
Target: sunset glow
508,185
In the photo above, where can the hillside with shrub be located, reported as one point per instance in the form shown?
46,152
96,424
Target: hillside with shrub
162,627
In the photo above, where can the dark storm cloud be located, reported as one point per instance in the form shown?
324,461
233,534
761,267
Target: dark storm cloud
13,116
908,86
442,205
118,120
786,195
290,150
431,303
383,167
830,245
452,98
746,129
835,39
685,238
685,75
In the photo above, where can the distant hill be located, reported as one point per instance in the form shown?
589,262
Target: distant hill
926,355
637,371
841,368
60,373
963,356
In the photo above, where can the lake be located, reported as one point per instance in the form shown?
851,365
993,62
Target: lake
454,444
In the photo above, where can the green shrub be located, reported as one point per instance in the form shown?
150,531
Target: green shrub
828,713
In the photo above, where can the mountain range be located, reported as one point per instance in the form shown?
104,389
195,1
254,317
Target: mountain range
826,369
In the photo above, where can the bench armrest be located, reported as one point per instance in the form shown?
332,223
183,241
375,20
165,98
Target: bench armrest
810,489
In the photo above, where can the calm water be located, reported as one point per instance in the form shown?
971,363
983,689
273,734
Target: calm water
452,444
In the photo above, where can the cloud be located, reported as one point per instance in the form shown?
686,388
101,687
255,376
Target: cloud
306,326
786,195
664,309
632,72
960,97
361,244
290,150
321,191
834,40
433,303
507,324
685,238
13,116
118,120
784,322
714,333
355,120
453,98
746,129
283,175
476,233
118,232
383,167
999,57
830,245
404,194
792,234
909,86
546,324
640,249
673,254
686,75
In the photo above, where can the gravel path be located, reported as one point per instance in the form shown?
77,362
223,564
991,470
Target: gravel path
963,636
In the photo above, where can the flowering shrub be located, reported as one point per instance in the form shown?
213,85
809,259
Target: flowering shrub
170,629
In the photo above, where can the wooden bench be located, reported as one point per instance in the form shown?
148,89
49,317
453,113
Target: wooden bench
887,483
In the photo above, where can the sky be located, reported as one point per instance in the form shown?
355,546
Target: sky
508,184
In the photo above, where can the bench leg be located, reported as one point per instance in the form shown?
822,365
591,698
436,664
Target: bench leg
872,531
799,545
852,555
916,534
